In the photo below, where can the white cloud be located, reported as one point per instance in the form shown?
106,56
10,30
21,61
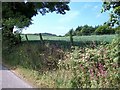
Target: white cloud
95,7
68,17
98,15
87,6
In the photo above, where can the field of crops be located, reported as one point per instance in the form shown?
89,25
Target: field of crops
106,38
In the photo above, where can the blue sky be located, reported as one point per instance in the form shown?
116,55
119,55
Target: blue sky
81,13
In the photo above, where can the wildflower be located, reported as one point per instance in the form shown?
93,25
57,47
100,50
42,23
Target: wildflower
100,66
82,68
98,74
104,74
91,73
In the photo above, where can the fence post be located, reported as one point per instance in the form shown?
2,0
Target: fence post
26,37
41,39
71,38
19,37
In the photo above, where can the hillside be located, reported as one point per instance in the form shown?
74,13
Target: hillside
48,34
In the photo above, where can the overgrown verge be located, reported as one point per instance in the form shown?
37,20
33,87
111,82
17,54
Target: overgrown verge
34,56
51,67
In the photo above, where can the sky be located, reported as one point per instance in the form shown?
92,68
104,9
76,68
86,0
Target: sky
81,13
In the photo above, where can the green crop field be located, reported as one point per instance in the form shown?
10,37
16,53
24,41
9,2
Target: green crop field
64,41
104,38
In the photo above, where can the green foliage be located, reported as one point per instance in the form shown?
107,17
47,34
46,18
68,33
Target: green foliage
117,30
77,31
105,29
94,68
87,30
14,14
97,68
83,30
114,8
115,49
9,39
90,30
34,56
88,67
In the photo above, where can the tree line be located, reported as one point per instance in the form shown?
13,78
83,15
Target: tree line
97,30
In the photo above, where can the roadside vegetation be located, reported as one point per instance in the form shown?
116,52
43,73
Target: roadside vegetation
77,60
50,65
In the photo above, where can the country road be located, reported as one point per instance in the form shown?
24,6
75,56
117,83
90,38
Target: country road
9,80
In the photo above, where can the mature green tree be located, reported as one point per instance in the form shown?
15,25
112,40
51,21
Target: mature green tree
77,31
87,30
114,8
20,14
104,29
83,30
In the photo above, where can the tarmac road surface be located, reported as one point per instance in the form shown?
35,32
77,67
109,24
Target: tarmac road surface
9,80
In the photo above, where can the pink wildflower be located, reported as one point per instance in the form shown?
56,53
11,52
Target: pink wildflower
91,74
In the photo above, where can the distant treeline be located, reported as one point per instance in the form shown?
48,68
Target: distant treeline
43,34
90,30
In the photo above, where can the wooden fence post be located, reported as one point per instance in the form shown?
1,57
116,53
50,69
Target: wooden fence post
26,37
71,38
41,39
19,38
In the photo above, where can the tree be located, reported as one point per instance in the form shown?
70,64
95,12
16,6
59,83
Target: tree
105,29
19,14
83,30
77,31
114,8
87,30
117,30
